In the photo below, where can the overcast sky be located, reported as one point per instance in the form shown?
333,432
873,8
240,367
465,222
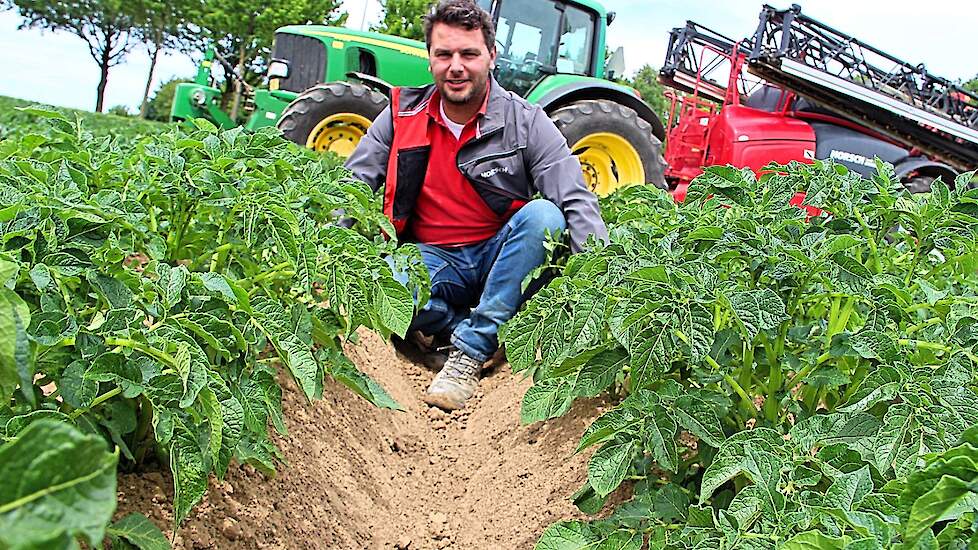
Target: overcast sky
56,68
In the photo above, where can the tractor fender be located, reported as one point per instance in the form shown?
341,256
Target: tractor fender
924,167
372,81
590,89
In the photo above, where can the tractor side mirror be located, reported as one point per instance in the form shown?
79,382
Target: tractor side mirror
611,17
615,66
278,68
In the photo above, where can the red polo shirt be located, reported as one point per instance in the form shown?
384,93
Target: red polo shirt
449,211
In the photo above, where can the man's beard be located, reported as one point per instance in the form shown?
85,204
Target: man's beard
477,92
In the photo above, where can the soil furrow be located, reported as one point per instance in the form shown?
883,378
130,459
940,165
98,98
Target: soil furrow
359,477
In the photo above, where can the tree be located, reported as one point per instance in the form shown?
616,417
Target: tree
162,25
104,25
119,110
972,85
646,81
404,18
242,32
159,106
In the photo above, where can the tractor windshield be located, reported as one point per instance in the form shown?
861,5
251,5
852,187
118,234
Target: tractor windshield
535,39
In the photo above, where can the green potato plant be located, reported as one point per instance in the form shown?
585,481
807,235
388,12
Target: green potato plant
151,290
781,374
16,119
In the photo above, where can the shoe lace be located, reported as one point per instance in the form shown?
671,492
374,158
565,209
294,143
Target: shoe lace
461,365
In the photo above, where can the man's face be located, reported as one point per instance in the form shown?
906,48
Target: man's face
460,63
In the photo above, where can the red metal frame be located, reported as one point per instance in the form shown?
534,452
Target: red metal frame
701,132
689,130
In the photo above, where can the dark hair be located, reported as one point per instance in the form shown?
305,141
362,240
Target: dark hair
461,13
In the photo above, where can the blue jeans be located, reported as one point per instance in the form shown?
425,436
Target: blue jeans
486,276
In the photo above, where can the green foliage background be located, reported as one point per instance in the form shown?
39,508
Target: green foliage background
15,121
972,85
404,18
159,106
107,27
646,81
243,30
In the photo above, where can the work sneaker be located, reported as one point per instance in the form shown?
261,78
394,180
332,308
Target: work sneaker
455,383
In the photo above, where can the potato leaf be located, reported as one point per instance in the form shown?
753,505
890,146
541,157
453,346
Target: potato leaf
55,482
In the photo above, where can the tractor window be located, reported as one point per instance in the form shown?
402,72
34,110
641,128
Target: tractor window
526,34
367,62
574,53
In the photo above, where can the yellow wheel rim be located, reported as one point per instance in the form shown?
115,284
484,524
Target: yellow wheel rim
338,134
609,162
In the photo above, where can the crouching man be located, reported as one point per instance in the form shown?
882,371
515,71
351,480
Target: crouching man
460,161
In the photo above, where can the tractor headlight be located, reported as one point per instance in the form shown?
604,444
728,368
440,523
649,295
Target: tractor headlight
278,68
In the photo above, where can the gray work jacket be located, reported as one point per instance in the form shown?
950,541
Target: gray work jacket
517,152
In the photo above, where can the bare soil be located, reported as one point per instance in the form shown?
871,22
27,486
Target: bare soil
358,477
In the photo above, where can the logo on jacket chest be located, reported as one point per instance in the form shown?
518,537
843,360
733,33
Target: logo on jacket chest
497,170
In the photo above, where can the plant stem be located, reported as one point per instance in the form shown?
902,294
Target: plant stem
800,375
923,344
913,264
153,224
774,382
273,272
748,402
142,429
217,258
875,265
96,402
844,315
148,350
833,315
65,296
915,307
929,322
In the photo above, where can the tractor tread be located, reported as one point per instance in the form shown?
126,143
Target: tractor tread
569,119
295,123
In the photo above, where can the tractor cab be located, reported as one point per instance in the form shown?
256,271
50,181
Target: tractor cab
535,40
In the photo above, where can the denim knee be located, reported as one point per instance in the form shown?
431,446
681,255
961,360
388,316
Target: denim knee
539,216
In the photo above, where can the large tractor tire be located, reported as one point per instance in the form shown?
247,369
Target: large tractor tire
331,116
616,148
920,184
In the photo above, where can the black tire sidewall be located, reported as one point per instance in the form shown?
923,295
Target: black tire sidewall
314,105
919,184
583,118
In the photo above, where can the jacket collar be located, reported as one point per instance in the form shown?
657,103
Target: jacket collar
434,106
415,100
494,117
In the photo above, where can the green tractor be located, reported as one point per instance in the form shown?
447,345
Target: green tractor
326,85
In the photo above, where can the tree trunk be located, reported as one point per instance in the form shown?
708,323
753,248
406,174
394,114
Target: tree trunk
237,83
103,65
149,80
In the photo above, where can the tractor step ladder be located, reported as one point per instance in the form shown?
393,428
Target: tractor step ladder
708,67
